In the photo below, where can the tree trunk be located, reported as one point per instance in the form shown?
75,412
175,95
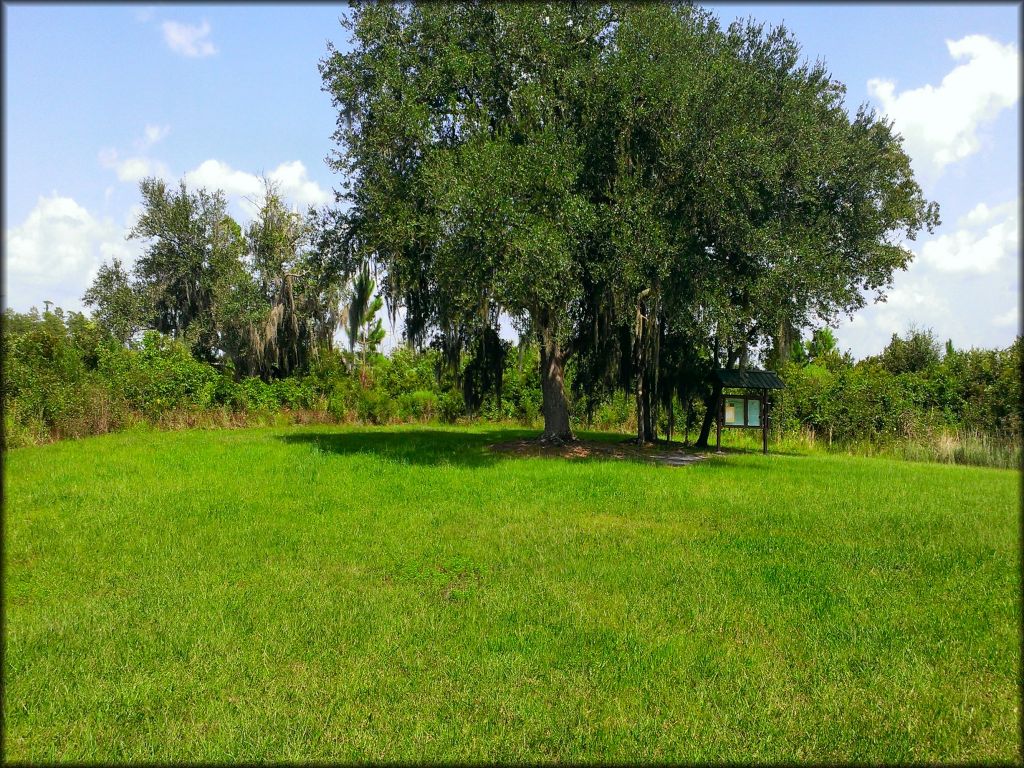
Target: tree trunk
644,406
640,402
671,418
710,412
640,360
555,405
649,403
654,407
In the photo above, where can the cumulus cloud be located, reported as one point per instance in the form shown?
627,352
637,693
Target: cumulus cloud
295,185
915,300
133,169
964,285
214,174
189,40
986,240
940,123
55,253
241,187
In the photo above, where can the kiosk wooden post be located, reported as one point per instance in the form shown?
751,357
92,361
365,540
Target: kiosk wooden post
719,417
764,421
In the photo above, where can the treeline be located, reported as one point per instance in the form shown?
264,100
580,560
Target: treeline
917,399
67,375
259,301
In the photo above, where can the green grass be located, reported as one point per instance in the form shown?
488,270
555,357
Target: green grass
353,594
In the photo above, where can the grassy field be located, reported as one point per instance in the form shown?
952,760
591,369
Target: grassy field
319,593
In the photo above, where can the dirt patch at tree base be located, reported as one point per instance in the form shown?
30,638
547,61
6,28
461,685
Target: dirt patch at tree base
598,449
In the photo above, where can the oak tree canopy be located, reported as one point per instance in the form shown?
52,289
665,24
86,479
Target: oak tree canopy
637,187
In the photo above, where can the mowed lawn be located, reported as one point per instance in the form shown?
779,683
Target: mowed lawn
354,594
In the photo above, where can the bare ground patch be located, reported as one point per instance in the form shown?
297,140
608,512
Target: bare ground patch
669,454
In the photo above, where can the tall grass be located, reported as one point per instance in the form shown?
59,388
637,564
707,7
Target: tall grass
945,446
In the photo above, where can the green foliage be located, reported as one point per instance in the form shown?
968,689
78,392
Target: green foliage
264,300
450,407
256,395
68,376
189,243
916,351
120,306
635,184
405,371
823,349
295,392
420,405
906,393
374,406
162,375
51,386
342,395
615,412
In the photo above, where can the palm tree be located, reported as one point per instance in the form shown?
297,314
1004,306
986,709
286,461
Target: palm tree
360,319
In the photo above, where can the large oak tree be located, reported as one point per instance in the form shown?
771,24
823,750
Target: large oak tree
632,184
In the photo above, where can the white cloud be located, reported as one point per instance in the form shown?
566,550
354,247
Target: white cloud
295,185
189,40
963,285
214,174
243,188
915,300
986,239
133,169
1008,318
983,214
56,251
153,134
137,167
910,302
135,211
940,123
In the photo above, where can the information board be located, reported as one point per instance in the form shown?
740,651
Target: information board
742,412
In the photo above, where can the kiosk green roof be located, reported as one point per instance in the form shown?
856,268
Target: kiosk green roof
750,378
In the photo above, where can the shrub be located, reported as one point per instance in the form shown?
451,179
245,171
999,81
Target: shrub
406,371
450,407
258,395
374,406
294,392
341,398
420,405
615,413
228,393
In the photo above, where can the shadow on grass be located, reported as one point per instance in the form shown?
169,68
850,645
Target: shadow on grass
429,447
433,447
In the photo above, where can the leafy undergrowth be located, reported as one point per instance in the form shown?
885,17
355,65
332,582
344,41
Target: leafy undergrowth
407,594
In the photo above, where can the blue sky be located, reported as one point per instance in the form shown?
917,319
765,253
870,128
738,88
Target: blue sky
98,96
